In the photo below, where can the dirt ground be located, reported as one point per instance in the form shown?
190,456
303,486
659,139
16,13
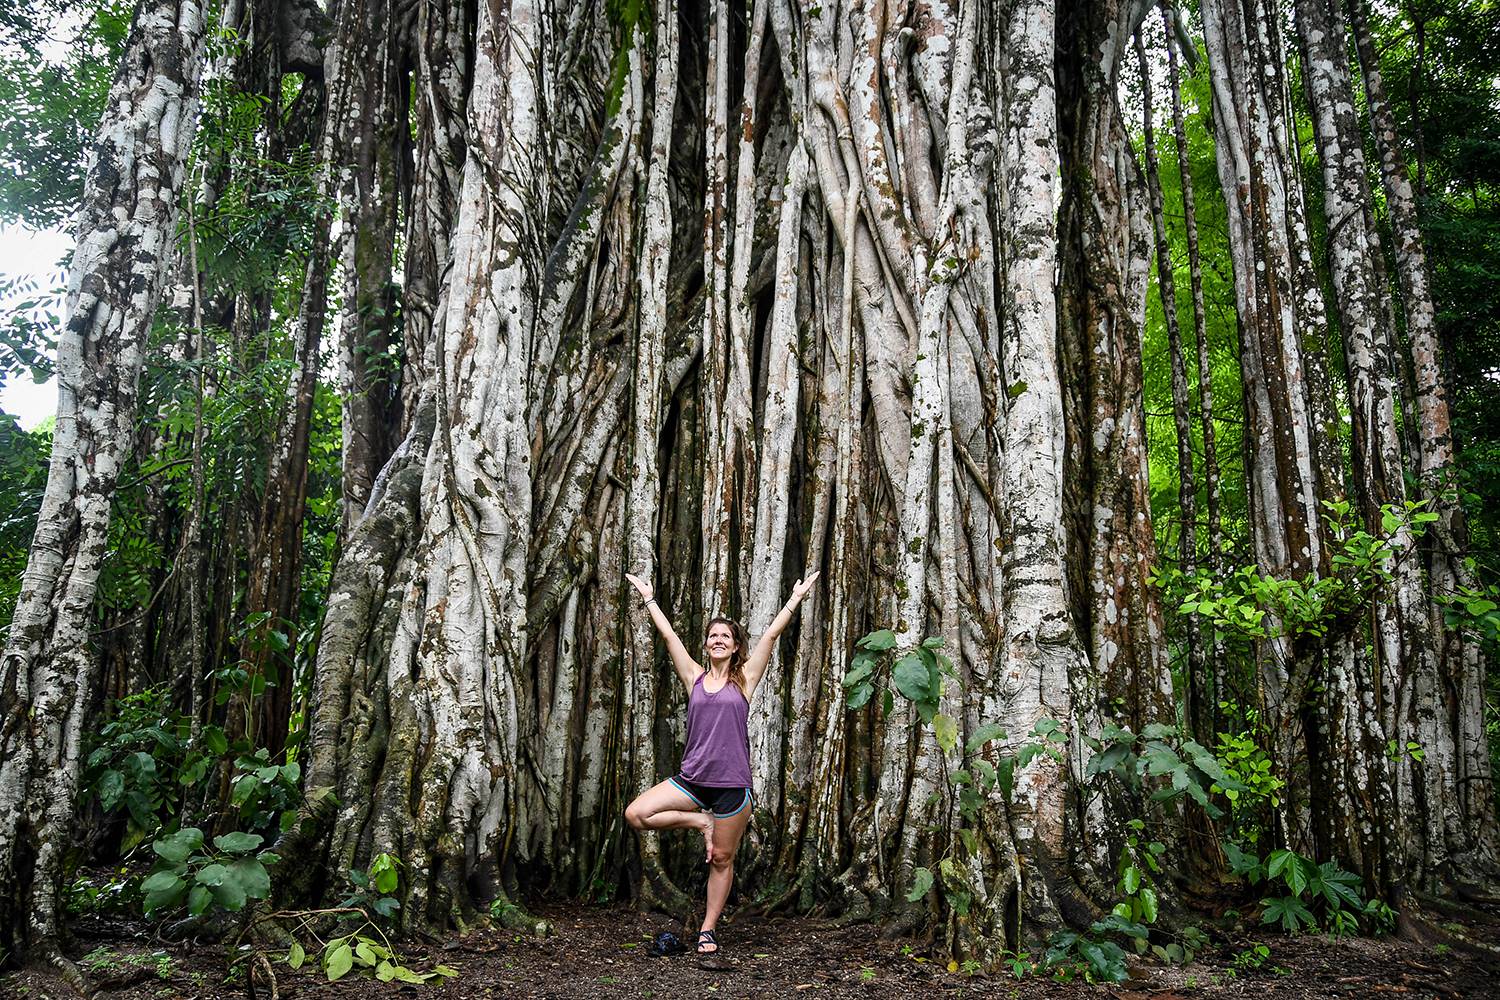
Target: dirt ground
598,951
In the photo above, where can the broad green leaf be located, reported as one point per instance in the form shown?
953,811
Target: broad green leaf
230,894
1108,759
385,971
238,842
1148,905
165,879
862,666
212,875
1005,770
946,729
111,788
858,697
252,877
177,846
166,897
984,734
338,961
921,884
878,641
245,787
911,678
296,955
986,772
199,898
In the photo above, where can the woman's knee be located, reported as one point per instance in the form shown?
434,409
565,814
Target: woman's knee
722,857
635,815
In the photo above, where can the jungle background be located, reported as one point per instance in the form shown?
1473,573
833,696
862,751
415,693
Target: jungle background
1139,644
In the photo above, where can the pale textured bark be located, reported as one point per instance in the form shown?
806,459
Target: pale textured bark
1460,663
725,385
1402,643
440,44
1287,471
125,244
1200,691
1040,647
645,480
368,95
1211,486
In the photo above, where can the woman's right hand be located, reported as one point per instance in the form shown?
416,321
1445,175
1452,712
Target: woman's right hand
640,585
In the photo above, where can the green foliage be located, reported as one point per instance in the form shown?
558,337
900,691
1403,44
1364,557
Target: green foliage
265,793
1249,605
188,872
1474,611
361,953
1299,894
118,892
917,675
1162,762
361,946
374,887
1256,789
23,475
143,759
52,106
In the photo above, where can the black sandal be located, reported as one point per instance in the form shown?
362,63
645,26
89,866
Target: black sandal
714,961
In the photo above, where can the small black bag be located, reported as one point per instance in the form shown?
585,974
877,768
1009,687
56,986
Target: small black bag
666,943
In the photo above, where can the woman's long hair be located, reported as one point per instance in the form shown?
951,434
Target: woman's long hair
737,658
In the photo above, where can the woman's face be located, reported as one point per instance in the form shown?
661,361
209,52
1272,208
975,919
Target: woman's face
721,644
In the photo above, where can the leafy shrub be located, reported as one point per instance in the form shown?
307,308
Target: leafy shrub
142,760
188,872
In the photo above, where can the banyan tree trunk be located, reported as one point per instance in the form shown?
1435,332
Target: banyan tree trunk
857,368
1469,791
126,230
1291,458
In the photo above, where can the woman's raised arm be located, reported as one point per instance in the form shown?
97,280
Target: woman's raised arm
760,656
687,668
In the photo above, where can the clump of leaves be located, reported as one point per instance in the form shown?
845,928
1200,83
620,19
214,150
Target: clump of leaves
373,887
142,759
190,873
1297,890
361,946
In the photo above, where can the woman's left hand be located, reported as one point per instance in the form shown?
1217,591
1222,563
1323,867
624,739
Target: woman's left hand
803,587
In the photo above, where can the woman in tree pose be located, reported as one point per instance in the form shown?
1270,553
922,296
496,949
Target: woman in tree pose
712,791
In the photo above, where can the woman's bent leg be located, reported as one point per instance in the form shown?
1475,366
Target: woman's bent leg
664,806
726,843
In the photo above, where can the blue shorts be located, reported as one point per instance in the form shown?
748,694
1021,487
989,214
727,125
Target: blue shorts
722,802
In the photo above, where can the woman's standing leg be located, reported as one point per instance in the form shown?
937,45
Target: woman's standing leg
726,843
664,806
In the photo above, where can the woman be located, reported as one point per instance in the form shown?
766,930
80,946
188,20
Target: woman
712,791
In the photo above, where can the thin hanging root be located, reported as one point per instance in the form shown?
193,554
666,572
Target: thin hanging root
267,973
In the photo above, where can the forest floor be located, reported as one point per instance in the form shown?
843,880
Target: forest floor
601,951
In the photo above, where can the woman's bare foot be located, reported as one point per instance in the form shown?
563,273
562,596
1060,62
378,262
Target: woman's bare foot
708,837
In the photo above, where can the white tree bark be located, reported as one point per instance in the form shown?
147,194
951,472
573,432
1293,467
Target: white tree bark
125,235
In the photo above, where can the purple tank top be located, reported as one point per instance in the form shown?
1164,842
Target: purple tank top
718,737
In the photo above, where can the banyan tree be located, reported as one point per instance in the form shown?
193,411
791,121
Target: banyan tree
720,293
